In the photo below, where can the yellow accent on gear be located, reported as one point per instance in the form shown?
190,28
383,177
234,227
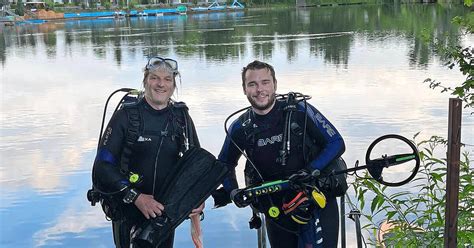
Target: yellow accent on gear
319,198
133,178
298,220
273,212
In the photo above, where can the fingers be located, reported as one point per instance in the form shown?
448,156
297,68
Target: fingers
194,213
197,210
149,207
200,208
154,209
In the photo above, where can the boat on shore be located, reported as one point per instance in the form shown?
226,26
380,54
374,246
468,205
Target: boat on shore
216,7
44,15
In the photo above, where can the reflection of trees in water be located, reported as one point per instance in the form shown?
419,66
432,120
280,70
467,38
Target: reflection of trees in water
50,41
3,49
263,51
224,36
333,50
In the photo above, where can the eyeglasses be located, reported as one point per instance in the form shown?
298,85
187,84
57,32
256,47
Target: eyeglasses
154,61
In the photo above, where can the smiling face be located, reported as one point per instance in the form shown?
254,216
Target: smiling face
260,88
159,87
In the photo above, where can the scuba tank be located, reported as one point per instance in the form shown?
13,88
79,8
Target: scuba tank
110,205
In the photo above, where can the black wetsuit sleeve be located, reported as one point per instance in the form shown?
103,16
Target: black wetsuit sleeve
326,136
106,169
194,136
230,153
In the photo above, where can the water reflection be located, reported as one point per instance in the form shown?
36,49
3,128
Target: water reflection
191,35
363,65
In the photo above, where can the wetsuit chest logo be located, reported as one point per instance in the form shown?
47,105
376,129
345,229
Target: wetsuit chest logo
271,140
144,139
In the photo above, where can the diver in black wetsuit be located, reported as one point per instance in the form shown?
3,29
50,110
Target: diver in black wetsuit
259,133
165,130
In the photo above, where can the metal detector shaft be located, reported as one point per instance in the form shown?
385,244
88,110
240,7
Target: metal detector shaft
381,162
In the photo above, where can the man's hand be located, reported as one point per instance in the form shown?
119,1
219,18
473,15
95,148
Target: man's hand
149,207
221,197
197,211
301,177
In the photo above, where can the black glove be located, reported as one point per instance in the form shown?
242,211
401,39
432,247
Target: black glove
221,197
303,176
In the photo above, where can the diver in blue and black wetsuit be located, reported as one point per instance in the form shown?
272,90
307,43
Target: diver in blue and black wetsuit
163,131
260,132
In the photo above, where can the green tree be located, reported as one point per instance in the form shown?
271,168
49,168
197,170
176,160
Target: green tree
20,9
49,4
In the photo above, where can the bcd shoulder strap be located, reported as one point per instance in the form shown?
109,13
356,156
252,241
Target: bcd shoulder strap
133,132
250,130
188,134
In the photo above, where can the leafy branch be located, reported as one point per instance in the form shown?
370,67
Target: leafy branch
458,57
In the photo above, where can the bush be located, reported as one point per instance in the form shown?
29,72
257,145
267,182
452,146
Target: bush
417,219
49,4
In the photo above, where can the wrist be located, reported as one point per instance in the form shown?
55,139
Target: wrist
131,196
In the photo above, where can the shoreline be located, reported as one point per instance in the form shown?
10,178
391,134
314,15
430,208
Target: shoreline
43,16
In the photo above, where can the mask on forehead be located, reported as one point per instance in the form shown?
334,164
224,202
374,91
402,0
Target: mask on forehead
159,63
165,63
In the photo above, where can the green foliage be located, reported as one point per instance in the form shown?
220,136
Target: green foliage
467,22
49,4
417,216
132,4
461,58
20,9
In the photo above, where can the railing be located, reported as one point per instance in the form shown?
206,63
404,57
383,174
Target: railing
4,12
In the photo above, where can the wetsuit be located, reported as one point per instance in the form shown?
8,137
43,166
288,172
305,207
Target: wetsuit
261,138
161,139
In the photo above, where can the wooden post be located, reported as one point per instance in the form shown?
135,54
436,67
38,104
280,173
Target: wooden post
452,177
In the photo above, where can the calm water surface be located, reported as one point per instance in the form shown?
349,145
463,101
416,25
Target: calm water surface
363,66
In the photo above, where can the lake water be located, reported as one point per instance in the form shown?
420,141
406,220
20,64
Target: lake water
363,66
